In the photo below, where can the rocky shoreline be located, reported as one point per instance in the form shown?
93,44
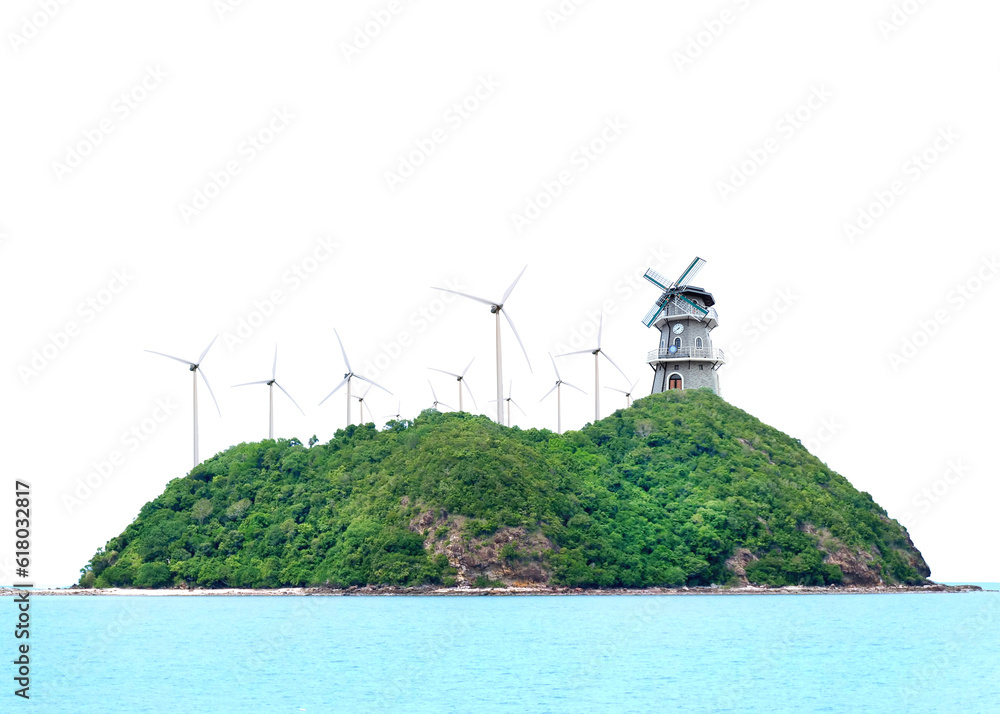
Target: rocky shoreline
436,591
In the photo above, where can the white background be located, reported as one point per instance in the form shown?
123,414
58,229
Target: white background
819,369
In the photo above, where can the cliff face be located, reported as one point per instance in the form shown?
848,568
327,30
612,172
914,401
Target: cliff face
680,489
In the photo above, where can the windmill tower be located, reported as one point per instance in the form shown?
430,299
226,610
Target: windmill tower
685,317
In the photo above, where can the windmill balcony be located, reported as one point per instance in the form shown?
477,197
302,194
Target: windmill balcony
686,353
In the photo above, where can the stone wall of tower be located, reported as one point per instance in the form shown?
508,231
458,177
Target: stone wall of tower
694,374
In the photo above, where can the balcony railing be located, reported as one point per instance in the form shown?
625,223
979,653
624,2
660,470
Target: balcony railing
665,355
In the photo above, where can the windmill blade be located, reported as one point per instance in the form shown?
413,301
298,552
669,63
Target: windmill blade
450,374
361,397
343,351
274,367
613,362
615,389
207,349
182,361
514,330
465,384
658,280
578,352
247,384
466,295
399,411
632,388
686,306
574,387
202,373
467,367
548,393
558,377
518,407
365,379
511,288
365,406
433,393
335,390
600,329
448,406
290,397
690,272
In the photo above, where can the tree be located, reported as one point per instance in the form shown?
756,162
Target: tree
202,510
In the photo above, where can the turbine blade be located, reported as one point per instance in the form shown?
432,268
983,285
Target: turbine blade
433,393
613,362
450,374
632,388
365,406
335,390
274,367
600,329
247,384
548,393
466,295
558,378
183,361
447,405
343,351
207,349
469,390
290,397
514,330
511,288
615,389
518,407
202,373
578,352
365,379
574,387
467,366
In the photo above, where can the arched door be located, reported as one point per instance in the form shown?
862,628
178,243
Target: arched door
675,381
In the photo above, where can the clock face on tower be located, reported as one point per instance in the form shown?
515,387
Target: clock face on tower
678,328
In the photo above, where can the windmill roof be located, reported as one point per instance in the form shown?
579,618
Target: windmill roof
700,292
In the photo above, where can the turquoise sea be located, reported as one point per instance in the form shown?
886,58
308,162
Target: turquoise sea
789,653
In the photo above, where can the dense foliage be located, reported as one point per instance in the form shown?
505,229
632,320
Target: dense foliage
662,493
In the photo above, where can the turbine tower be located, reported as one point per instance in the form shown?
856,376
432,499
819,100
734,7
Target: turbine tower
271,384
496,307
195,368
598,353
508,398
558,390
347,380
461,381
628,394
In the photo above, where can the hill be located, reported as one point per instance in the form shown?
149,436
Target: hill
680,489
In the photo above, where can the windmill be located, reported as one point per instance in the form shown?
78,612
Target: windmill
597,352
558,390
195,368
628,394
347,379
508,398
496,307
398,414
362,406
672,294
271,384
461,381
436,402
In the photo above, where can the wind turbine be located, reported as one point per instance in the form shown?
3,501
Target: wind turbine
436,402
598,353
271,384
496,307
510,389
558,390
347,380
461,380
362,406
195,368
628,394
398,414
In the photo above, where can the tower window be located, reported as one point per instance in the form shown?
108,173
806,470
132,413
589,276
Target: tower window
698,343
677,342
701,366
675,382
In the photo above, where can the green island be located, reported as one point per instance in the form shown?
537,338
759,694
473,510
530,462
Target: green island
680,489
